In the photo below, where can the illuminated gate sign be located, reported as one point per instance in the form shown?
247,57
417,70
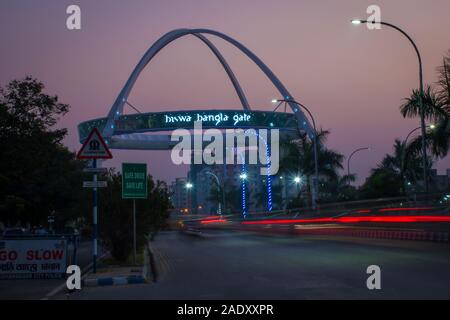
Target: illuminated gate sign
33,258
215,119
220,119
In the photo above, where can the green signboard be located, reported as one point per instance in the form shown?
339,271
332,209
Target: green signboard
134,181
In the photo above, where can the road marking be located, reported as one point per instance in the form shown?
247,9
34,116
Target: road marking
167,260
63,285
162,261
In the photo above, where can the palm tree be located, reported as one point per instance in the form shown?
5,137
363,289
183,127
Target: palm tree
437,110
233,195
440,137
216,193
431,105
297,158
437,140
260,196
339,189
444,84
402,164
390,177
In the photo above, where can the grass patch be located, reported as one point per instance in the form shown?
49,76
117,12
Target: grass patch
110,261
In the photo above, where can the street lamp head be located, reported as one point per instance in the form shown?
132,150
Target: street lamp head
275,101
357,21
189,185
297,180
432,126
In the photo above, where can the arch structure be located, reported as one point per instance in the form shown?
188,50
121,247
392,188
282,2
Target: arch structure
138,140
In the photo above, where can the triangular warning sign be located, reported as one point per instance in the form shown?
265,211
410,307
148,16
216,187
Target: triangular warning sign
94,147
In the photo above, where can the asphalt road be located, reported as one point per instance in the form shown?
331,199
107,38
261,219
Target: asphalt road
239,265
34,289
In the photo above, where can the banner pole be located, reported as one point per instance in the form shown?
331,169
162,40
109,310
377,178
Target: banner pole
134,230
94,220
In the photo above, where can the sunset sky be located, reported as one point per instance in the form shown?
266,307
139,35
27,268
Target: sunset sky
353,79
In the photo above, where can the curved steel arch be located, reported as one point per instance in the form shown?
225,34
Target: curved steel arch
117,107
226,66
120,101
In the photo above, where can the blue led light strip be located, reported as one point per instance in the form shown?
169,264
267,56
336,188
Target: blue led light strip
269,164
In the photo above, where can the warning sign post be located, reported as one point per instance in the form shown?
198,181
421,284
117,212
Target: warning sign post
94,148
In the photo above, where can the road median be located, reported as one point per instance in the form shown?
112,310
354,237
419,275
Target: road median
111,275
351,231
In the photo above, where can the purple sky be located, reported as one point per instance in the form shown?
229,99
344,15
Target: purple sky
352,79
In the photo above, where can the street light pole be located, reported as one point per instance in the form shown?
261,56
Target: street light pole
297,181
431,126
409,134
316,160
189,187
218,186
405,142
422,111
351,155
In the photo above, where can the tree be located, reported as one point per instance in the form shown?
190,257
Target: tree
436,104
116,215
440,137
38,174
382,183
297,158
233,196
339,189
392,174
444,84
411,107
216,193
261,196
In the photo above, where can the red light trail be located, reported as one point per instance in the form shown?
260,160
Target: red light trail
387,219
405,209
213,221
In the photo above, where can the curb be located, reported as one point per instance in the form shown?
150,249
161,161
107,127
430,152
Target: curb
194,233
114,281
152,262
63,286
383,234
123,280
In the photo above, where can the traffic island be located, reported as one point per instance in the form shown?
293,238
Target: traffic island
115,276
113,273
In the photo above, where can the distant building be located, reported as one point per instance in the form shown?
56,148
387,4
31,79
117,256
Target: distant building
179,194
205,198
439,183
